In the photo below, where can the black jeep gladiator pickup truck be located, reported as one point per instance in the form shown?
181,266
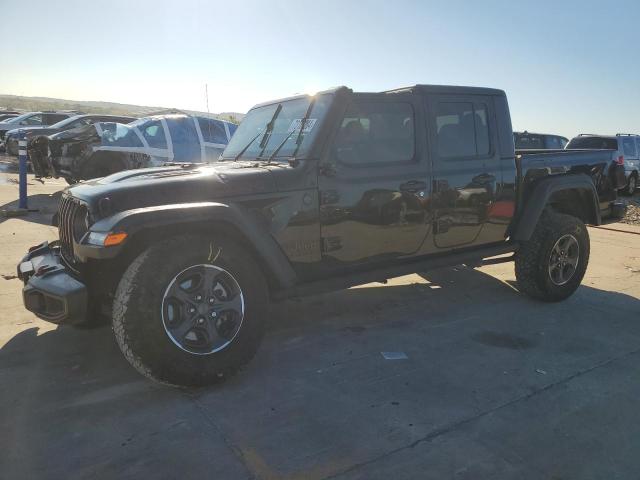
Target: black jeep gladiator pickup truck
313,193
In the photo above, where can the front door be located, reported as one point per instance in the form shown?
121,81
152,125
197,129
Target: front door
466,169
373,182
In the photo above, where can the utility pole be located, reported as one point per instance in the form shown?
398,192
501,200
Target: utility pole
206,95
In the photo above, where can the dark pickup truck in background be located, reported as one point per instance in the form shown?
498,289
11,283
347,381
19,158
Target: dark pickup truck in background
539,141
313,193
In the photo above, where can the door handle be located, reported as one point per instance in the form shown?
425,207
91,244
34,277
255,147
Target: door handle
413,186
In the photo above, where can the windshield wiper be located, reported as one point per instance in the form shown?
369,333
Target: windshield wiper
304,120
235,159
299,139
269,129
266,131
275,152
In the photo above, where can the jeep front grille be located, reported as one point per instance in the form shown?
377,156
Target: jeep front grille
71,225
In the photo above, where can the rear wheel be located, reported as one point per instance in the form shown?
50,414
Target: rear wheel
190,310
632,184
551,265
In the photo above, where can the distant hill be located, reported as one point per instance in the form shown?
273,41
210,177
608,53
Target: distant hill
16,102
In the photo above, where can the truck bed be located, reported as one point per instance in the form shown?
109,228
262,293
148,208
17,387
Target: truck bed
600,165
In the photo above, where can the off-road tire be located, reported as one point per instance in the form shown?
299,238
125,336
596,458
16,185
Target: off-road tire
630,187
11,148
137,310
532,258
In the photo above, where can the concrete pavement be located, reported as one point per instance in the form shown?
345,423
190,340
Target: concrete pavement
495,385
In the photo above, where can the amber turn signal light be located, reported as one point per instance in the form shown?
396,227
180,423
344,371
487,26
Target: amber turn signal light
114,239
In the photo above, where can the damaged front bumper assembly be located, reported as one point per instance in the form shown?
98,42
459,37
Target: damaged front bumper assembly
50,291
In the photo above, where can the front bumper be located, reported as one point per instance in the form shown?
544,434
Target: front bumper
50,291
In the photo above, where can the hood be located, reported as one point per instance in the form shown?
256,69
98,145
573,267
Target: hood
187,183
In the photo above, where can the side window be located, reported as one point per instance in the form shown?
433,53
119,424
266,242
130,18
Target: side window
462,130
51,118
629,146
527,141
212,131
153,133
81,122
32,120
184,137
376,133
232,128
482,129
554,142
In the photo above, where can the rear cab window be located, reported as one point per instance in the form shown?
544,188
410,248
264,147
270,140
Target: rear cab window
462,130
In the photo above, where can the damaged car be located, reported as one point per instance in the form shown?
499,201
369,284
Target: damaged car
13,136
101,149
31,119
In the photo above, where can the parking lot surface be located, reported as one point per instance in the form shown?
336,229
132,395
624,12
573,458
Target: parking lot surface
494,385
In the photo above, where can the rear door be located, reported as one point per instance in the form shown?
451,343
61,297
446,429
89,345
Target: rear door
466,168
373,185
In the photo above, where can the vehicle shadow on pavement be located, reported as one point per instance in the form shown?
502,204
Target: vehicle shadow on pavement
42,207
60,385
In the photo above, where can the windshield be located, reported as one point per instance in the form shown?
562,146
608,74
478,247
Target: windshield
593,143
283,135
18,118
117,134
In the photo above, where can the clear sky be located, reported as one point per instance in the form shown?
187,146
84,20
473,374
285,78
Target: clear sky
567,66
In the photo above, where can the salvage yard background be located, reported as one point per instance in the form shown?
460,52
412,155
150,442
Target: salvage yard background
37,104
493,384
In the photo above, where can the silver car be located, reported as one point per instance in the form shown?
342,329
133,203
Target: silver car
627,146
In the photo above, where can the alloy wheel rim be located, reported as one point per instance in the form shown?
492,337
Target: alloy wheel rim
203,309
563,260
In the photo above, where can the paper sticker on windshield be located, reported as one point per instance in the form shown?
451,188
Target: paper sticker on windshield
308,125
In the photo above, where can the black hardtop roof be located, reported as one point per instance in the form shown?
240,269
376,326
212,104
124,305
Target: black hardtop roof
448,89
418,88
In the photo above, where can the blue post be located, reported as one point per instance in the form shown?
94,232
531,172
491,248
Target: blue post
22,158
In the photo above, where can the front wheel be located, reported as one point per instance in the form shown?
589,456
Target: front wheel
552,263
11,146
190,310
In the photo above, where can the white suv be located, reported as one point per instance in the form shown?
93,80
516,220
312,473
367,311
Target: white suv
628,147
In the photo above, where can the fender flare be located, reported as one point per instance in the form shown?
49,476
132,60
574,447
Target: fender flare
538,199
139,220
